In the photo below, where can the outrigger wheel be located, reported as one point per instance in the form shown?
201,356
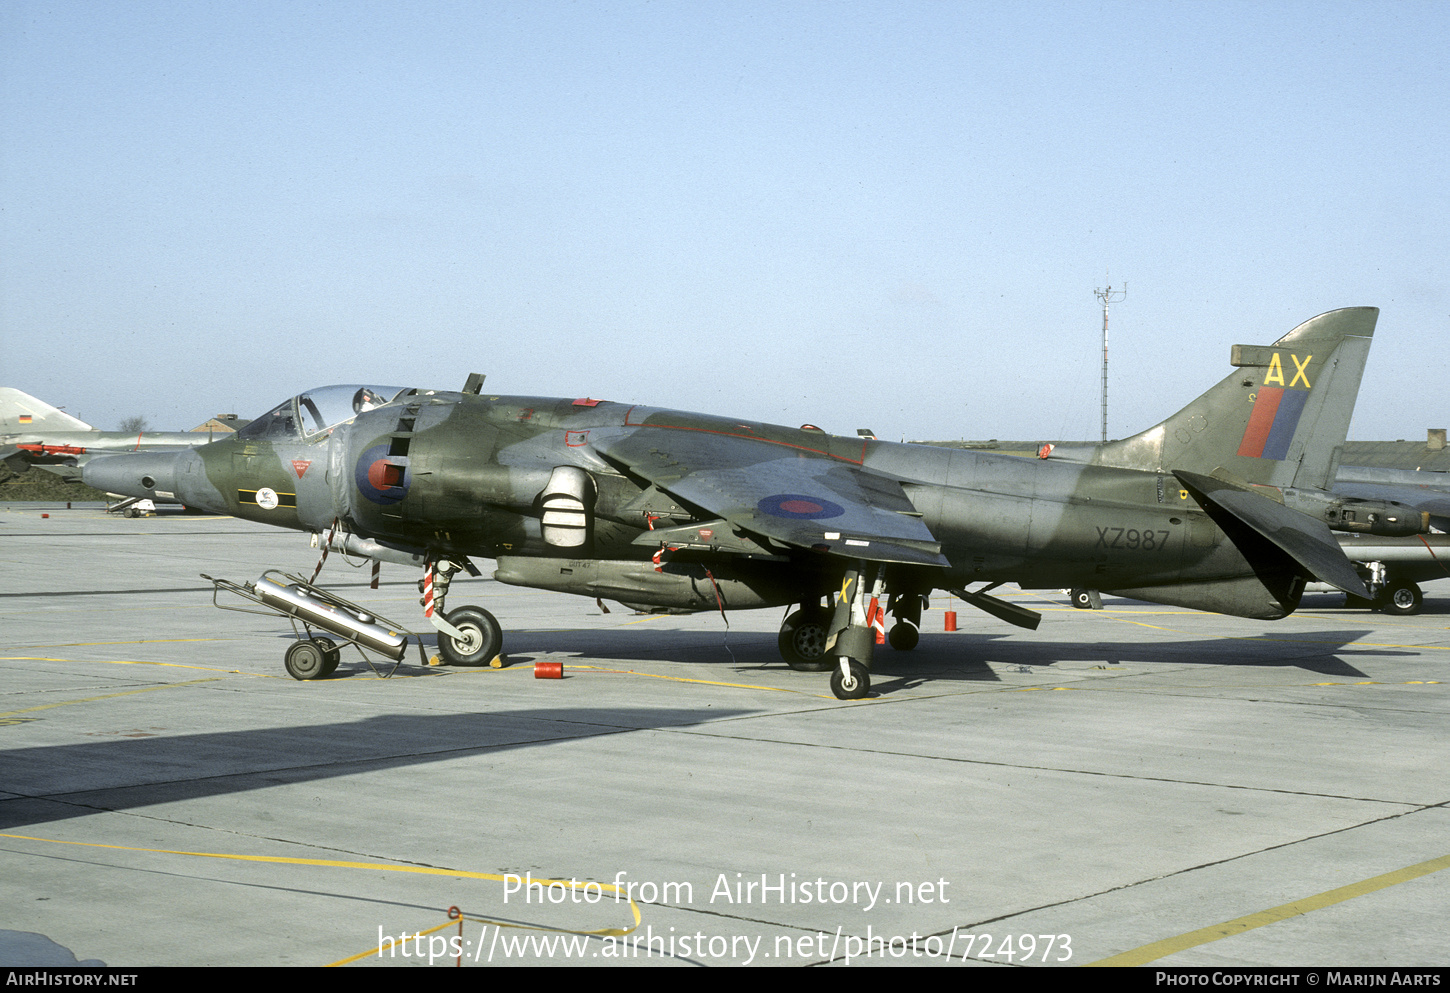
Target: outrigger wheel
482,637
308,659
1401,598
802,640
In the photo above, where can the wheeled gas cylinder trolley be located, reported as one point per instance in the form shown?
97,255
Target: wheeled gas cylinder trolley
313,656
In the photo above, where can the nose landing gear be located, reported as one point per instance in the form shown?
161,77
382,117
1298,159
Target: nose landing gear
466,635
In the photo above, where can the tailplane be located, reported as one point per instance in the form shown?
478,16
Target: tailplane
21,413
1280,418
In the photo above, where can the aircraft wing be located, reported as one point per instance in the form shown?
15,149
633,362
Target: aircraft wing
808,501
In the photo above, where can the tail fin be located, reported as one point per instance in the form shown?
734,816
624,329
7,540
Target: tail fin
21,413
1280,418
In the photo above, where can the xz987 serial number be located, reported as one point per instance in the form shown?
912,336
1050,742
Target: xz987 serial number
1131,538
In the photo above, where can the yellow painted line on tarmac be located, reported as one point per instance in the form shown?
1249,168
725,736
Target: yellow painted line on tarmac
1155,627
1378,682
1289,641
686,679
107,696
1168,946
138,641
168,665
575,666
422,870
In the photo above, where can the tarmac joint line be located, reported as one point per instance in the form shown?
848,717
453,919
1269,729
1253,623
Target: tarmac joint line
1168,946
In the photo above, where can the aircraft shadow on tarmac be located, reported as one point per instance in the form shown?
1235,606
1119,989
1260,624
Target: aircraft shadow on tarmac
51,783
959,656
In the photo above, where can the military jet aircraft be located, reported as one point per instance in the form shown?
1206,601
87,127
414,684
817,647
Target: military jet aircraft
702,512
32,432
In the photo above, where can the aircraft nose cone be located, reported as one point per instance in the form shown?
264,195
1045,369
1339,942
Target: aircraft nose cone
151,475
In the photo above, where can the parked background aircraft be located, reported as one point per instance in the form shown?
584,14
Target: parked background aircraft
701,512
32,432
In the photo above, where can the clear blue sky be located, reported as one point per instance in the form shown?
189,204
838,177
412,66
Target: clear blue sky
888,215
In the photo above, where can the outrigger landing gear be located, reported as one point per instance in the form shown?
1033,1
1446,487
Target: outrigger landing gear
1400,597
466,635
1391,593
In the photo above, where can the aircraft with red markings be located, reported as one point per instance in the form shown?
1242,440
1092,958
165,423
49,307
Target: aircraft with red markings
1224,506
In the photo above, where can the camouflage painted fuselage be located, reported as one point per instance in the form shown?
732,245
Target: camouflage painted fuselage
681,509
462,475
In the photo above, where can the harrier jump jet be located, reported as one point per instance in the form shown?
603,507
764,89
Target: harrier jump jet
696,511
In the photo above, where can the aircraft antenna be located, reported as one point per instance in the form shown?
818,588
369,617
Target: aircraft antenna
1107,296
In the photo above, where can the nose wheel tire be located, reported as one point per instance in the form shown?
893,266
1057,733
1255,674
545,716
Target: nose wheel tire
852,686
802,640
482,637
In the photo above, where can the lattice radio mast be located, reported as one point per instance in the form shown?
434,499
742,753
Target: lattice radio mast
1107,296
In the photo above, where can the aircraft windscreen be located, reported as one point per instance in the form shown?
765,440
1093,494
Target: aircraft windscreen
318,410
321,409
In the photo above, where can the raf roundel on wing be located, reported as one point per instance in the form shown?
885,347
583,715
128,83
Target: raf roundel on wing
800,508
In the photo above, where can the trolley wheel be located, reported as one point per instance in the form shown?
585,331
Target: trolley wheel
331,655
305,660
482,637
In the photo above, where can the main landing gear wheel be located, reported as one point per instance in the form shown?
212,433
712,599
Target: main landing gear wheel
482,637
306,659
1082,599
852,687
802,640
1402,599
903,636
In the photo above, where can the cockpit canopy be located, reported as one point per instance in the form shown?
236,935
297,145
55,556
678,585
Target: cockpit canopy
317,411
